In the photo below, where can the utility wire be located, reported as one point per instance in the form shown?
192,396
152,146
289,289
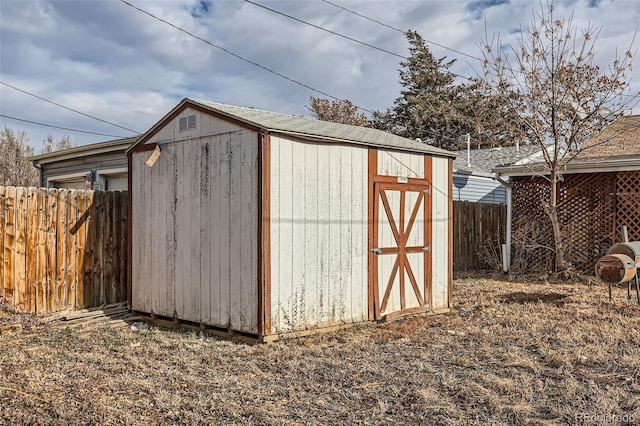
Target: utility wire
366,17
401,31
65,107
349,38
326,30
62,128
238,56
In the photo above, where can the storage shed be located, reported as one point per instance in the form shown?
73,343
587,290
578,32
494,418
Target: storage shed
263,224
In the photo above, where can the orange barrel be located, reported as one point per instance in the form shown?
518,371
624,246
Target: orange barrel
616,268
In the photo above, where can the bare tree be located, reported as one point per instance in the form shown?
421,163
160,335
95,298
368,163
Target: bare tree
49,144
15,169
343,111
562,94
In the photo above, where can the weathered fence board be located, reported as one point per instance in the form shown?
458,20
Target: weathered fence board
9,242
2,219
475,225
62,249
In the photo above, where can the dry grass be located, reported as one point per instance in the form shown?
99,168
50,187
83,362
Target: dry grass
512,354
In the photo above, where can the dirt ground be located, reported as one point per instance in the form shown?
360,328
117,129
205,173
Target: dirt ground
512,353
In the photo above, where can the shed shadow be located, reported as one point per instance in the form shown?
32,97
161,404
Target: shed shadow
523,298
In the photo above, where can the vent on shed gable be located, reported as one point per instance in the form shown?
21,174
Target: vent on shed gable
188,122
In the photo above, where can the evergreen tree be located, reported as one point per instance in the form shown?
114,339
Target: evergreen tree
438,110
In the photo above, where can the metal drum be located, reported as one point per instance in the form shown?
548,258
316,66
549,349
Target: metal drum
621,265
616,268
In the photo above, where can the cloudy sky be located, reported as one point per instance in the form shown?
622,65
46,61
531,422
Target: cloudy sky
109,60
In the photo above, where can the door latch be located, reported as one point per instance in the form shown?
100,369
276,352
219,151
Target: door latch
376,251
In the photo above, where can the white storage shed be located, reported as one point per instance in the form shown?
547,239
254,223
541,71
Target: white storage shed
263,224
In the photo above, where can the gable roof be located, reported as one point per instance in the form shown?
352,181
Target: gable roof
621,137
273,122
85,150
484,160
615,148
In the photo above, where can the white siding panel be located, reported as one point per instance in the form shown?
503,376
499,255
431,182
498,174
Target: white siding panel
159,236
392,163
182,277
319,234
218,255
311,262
325,169
206,125
141,283
169,152
335,232
300,313
244,230
440,232
205,231
193,295
359,241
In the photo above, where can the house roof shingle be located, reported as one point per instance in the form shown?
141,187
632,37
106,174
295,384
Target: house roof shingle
620,138
616,147
483,161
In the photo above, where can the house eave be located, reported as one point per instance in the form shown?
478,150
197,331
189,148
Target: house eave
83,151
627,163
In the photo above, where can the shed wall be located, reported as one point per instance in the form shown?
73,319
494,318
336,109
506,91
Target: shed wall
206,125
195,226
440,218
404,164
318,234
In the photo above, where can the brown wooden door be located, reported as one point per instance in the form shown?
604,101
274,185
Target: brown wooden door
402,249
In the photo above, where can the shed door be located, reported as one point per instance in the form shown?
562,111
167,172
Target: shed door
402,249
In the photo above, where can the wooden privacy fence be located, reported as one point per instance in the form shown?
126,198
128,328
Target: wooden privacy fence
62,249
474,226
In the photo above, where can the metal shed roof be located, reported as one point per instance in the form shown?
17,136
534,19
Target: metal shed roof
274,122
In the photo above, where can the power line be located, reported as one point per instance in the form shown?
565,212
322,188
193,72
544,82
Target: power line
58,127
350,39
67,108
238,56
365,17
401,31
326,30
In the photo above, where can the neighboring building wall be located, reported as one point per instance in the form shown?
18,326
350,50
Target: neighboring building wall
195,226
319,228
70,173
478,189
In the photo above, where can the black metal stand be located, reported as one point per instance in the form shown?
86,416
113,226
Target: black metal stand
637,282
